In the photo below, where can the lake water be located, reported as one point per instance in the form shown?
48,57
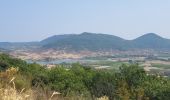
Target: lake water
59,61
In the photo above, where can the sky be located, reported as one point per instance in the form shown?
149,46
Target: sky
34,20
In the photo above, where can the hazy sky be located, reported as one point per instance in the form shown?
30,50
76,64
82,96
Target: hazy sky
34,20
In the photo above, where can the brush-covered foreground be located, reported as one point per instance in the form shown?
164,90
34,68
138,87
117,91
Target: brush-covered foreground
22,81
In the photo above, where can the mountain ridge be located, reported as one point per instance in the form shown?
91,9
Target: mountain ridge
100,41
94,42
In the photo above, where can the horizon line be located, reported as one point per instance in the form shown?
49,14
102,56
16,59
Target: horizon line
80,34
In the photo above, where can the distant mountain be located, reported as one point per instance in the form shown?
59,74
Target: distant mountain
93,41
84,41
151,40
18,45
55,38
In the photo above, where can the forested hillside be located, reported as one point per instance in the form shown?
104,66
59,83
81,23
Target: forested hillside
151,40
84,41
36,82
93,41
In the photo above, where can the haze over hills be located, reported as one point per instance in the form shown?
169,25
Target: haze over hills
93,42
151,40
85,41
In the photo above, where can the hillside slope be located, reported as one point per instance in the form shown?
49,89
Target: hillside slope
151,40
92,41
85,41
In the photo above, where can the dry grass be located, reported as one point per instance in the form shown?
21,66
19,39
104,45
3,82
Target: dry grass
8,89
103,98
10,93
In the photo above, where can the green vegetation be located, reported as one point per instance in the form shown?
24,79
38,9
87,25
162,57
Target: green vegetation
92,41
164,66
84,41
110,64
82,82
151,40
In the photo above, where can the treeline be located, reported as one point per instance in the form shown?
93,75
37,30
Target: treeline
83,82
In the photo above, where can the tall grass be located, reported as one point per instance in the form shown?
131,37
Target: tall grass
12,89
8,89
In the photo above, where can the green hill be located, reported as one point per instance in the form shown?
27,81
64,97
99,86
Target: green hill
85,41
93,41
151,40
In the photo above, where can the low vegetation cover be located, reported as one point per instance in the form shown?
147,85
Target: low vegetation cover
22,81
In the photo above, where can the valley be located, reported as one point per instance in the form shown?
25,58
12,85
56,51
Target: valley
84,50
100,51
93,64
151,60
